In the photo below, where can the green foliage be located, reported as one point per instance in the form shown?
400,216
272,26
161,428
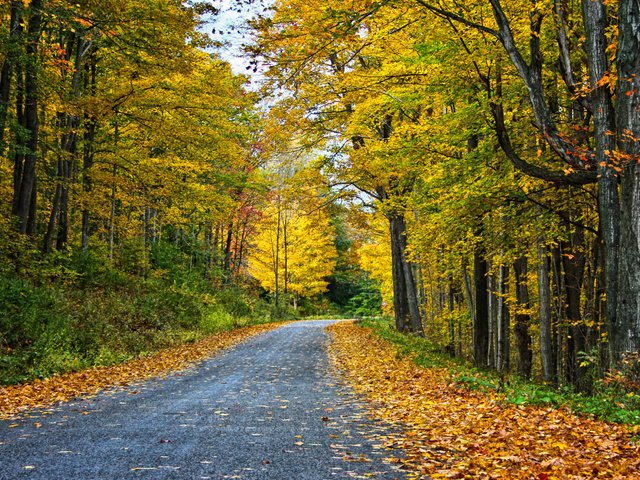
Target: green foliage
102,316
366,303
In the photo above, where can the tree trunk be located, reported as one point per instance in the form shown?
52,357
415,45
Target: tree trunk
276,265
405,300
492,307
573,263
18,151
26,202
451,347
595,20
112,212
523,319
7,67
626,332
227,254
87,165
53,216
544,288
503,363
481,316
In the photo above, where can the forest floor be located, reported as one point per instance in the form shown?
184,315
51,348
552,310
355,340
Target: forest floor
450,431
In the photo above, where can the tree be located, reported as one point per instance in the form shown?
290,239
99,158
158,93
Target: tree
294,251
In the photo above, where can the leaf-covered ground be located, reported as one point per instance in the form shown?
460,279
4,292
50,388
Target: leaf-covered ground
451,432
59,388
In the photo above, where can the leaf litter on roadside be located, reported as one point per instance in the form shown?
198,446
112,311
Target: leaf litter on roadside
451,432
17,399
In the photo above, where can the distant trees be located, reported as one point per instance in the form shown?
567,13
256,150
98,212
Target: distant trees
293,252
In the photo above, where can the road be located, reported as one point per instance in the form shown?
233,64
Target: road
270,408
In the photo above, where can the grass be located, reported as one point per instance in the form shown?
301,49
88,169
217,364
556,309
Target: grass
609,401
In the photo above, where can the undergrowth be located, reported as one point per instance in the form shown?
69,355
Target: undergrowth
609,401
93,315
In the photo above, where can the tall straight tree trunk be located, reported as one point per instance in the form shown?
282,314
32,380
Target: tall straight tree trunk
400,307
18,151
87,165
559,311
492,307
6,73
90,126
544,289
481,316
573,263
276,266
112,212
468,294
285,244
595,22
26,197
503,363
53,215
451,296
626,332
227,254
523,319
405,299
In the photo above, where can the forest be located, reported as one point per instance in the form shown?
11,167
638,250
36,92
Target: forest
468,170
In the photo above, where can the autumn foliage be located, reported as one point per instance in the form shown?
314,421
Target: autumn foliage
448,431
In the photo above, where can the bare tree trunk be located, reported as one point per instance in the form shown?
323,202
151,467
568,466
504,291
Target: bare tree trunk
504,345
595,22
481,317
53,216
26,202
405,297
18,151
559,312
227,254
492,304
574,262
451,348
276,266
626,331
112,213
523,319
8,66
544,288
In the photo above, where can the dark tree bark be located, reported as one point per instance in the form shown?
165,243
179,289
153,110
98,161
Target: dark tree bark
481,316
227,254
6,73
573,264
503,363
405,299
18,152
522,319
544,289
26,196
625,334
595,21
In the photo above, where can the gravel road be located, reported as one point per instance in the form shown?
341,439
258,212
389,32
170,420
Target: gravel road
269,408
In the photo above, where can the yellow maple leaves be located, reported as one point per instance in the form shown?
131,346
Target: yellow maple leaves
451,432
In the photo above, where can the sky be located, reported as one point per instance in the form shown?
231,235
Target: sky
228,28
